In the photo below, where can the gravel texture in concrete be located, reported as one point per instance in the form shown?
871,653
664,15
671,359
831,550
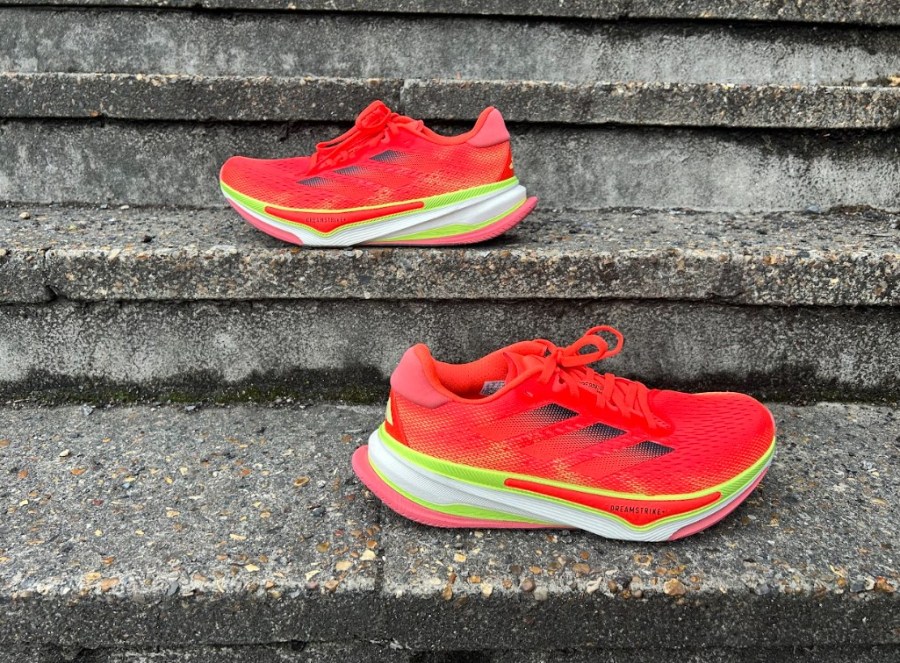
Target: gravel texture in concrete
283,99
364,652
147,527
190,526
762,654
160,163
841,258
314,349
261,44
877,12
295,651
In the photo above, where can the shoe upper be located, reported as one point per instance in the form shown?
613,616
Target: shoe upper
384,158
535,409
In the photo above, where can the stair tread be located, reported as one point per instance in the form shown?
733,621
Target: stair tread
170,525
202,98
839,258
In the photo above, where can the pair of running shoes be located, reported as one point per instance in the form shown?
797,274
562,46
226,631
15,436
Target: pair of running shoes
528,436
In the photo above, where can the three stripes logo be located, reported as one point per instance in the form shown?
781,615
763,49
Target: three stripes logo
552,432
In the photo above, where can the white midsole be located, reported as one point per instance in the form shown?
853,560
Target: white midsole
471,212
438,489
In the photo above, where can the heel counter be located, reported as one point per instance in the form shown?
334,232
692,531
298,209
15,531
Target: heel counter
490,129
411,387
414,382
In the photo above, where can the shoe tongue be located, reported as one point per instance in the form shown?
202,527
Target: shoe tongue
520,358
523,357
517,364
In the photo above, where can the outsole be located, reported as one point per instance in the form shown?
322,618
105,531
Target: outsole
413,510
488,216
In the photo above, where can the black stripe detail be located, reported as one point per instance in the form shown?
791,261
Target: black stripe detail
349,170
601,432
313,181
387,156
648,449
554,413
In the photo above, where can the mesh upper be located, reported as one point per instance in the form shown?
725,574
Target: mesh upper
713,438
414,168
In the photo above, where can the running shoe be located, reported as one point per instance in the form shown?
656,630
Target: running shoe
529,436
389,180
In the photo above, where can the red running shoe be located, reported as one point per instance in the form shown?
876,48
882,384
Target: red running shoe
529,436
389,180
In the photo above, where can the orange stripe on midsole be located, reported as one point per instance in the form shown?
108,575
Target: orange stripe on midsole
328,221
636,512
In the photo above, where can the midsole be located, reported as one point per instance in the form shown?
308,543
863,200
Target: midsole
466,215
457,496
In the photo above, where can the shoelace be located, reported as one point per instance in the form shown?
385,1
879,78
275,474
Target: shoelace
570,367
369,127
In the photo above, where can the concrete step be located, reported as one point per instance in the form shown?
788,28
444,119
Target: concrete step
352,45
196,304
163,97
843,258
583,167
241,531
877,12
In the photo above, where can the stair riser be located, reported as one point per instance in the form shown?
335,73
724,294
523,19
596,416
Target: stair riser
315,350
129,41
177,164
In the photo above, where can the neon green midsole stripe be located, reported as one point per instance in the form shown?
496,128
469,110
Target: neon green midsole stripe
496,480
455,229
462,510
432,202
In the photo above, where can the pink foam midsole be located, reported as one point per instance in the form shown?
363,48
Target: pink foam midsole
272,230
716,516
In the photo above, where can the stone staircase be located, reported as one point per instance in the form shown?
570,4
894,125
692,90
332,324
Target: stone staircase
720,180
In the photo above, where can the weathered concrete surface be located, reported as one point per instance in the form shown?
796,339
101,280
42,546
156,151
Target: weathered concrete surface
260,44
879,12
91,495
299,652
196,98
314,350
762,654
158,526
567,167
254,99
674,104
295,651
849,258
